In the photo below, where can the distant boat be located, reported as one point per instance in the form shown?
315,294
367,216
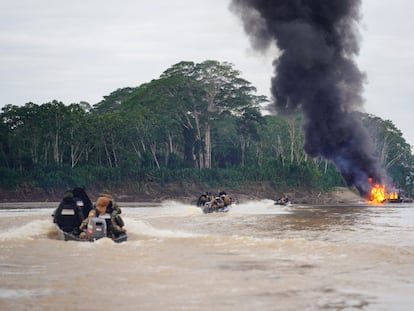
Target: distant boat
399,200
283,202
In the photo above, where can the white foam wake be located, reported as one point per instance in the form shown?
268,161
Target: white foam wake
258,208
140,227
27,231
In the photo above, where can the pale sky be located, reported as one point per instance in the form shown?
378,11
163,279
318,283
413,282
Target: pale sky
81,50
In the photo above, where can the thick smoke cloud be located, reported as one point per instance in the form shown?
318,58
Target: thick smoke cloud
317,75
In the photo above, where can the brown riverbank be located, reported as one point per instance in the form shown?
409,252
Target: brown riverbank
186,193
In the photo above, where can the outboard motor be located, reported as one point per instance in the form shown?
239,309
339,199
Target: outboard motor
207,208
96,228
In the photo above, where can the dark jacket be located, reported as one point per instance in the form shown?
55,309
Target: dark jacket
71,222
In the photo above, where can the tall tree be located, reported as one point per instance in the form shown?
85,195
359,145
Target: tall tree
220,89
113,101
392,149
248,124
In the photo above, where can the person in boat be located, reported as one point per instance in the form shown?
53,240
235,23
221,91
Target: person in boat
225,198
204,198
115,211
99,209
282,200
104,205
217,202
69,203
83,201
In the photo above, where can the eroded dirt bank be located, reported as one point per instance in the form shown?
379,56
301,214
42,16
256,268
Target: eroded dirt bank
186,193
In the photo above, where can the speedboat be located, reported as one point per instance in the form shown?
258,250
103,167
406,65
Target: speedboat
67,222
283,203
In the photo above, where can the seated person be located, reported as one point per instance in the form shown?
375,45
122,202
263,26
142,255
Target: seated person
217,203
100,209
104,206
86,204
282,200
115,211
68,215
112,204
203,199
226,199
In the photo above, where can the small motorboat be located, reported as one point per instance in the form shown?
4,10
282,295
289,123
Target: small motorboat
283,202
67,223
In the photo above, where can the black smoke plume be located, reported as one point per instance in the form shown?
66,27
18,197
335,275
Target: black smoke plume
315,73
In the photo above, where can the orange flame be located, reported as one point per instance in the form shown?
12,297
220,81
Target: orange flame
393,196
377,194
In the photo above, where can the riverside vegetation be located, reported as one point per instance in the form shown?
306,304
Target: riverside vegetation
198,124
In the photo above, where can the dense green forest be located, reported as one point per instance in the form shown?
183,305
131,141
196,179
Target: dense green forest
198,123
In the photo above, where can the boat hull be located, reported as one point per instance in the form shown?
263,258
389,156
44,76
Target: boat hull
283,203
66,236
208,209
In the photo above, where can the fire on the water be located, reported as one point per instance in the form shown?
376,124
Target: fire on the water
379,193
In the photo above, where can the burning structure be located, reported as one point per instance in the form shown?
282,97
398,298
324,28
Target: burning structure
380,194
316,73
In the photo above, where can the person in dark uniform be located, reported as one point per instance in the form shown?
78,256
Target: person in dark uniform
205,197
68,222
83,201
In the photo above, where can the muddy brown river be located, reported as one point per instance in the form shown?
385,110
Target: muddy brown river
256,257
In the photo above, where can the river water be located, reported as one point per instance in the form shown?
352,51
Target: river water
256,257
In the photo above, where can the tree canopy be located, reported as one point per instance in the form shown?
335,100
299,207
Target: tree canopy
197,121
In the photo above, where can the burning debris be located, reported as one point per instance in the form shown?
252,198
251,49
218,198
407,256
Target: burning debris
380,193
377,193
316,74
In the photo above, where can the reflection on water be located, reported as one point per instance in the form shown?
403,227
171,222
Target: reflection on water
256,257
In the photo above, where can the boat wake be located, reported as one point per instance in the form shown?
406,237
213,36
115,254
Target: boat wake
259,207
29,231
143,228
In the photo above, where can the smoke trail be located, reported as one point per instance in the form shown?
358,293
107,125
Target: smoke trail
316,74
